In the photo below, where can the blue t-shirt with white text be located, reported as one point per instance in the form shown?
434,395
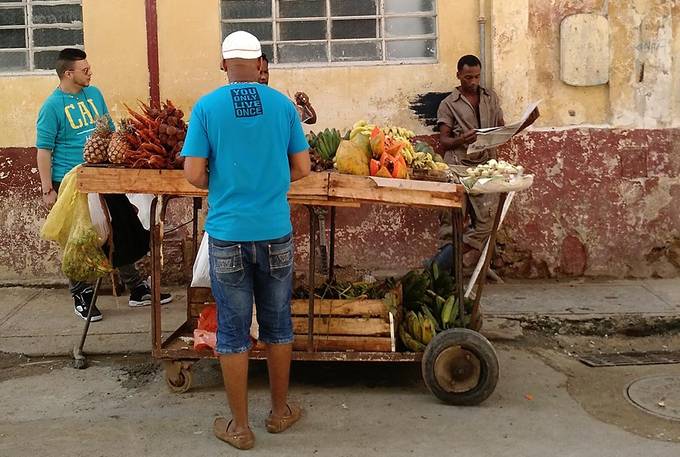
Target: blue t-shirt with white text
65,122
246,131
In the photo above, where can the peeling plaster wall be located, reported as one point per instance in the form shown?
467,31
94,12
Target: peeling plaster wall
606,158
604,204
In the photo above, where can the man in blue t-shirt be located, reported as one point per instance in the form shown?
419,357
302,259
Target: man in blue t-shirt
66,120
245,144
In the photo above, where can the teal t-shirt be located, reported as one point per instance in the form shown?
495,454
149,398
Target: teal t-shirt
246,131
65,122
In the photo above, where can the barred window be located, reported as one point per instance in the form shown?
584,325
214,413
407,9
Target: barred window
328,32
32,32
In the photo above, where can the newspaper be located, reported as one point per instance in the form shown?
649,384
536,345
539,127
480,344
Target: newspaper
495,136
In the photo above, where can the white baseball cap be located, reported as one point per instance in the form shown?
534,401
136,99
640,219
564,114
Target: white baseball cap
241,45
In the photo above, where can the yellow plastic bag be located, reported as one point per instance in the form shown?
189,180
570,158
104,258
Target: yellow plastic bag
70,225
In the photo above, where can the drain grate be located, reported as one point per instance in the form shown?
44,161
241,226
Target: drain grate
631,358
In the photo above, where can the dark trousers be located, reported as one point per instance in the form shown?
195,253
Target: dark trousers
128,273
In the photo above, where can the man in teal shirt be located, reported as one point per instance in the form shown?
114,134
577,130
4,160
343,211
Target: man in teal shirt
245,144
65,121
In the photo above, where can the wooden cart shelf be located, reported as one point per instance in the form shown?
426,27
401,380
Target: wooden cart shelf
319,188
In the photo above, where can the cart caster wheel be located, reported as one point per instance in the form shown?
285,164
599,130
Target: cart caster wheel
178,378
80,364
460,367
79,359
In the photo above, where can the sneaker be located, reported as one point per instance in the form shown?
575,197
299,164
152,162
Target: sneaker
81,305
141,296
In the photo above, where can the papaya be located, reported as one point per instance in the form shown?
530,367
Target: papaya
395,165
392,147
400,170
351,159
383,172
374,167
377,142
364,142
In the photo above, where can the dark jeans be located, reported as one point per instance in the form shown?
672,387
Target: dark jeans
443,258
245,271
128,273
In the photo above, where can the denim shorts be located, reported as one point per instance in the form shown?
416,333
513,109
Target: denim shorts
245,271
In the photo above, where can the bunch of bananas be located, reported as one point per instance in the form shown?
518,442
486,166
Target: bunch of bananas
416,331
361,127
407,151
325,143
398,133
418,328
425,161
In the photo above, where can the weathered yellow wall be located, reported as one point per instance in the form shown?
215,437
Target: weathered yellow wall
526,59
190,67
523,65
115,40
526,63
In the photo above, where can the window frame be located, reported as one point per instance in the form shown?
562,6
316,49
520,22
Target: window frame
30,27
381,17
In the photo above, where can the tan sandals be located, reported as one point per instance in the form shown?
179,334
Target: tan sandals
246,440
278,425
240,440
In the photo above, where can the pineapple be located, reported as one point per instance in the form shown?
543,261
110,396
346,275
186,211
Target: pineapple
95,150
119,143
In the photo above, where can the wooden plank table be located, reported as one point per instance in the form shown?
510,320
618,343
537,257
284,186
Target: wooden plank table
319,189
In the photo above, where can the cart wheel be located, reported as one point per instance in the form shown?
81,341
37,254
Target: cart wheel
460,367
178,378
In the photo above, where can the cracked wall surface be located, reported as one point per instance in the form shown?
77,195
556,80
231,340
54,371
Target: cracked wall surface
606,158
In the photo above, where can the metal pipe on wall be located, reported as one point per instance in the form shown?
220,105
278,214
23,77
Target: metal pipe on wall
482,40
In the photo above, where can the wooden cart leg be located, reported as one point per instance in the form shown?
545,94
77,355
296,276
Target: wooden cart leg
197,204
331,253
475,322
311,279
457,266
155,278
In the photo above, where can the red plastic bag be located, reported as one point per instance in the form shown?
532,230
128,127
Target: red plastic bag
204,340
207,320
205,337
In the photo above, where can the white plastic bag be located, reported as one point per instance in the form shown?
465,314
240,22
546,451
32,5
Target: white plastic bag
201,272
101,225
143,204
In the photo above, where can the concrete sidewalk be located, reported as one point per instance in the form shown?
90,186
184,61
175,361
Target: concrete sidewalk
40,321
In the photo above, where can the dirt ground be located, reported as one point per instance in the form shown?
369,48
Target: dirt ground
545,396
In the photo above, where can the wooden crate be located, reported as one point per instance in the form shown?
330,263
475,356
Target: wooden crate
343,325
339,325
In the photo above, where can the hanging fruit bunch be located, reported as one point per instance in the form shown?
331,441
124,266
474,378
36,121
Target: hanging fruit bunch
155,137
323,146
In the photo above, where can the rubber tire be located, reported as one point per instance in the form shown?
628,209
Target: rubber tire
473,342
184,384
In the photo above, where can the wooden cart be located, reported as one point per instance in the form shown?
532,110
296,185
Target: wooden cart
459,365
